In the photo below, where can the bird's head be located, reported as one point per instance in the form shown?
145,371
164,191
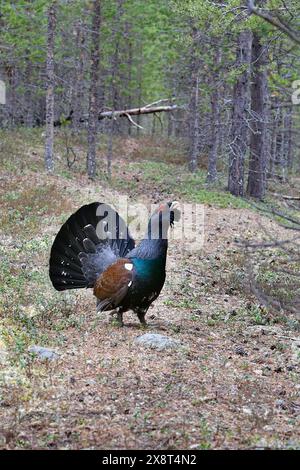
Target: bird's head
163,218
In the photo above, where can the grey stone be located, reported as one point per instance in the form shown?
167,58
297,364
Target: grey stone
281,404
240,351
296,351
43,353
156,341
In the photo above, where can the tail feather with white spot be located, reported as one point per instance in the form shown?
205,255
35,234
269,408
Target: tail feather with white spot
84,247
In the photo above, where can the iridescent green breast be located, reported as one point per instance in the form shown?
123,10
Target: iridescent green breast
149,268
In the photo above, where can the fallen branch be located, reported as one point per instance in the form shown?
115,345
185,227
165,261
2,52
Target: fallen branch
137,111
290,198
288,104
133,122
165,100
147,109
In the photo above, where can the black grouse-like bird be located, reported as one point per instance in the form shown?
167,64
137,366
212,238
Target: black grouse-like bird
95,249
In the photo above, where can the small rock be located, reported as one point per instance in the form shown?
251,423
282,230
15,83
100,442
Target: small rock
247,411
194,446
157,341
240,351
30,311
90,382
268,428
281,404
43,353
296,352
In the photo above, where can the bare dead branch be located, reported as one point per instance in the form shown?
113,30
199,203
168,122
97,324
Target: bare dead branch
287,104
114,114
290,198
137,111
274,244
133,122
165,100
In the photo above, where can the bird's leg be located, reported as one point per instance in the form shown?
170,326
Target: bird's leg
112,313
120,318
118,321
141,317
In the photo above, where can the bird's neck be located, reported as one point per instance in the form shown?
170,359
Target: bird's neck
151,249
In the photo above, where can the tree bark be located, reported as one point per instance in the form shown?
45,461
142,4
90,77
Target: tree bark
93,95
129,68
275,114
215,118
114,84
240,114
52,10
194,128
288,138
78,95
258,139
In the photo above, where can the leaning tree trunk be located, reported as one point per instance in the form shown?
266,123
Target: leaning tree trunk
240,114
93,104
50,87
259,104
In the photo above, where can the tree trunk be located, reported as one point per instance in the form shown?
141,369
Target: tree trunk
140,88
194,127
258,139
275,120
129,74
114,84
78,94
215,118
193,114
288,139
49,164
93,95
240,114
116,56
28,118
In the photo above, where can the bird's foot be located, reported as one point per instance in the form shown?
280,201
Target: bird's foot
116,318
141,317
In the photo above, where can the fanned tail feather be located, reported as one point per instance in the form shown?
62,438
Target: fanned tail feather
84,247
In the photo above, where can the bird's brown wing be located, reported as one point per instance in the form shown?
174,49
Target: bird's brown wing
112,285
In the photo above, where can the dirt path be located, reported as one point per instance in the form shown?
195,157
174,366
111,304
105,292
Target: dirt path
233,383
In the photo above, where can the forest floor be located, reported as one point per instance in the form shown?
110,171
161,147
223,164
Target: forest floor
233,382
